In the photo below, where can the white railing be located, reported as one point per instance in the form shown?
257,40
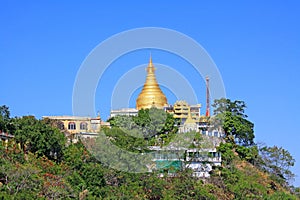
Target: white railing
204,159
6,135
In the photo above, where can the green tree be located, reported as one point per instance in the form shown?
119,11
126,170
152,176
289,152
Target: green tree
296,191
20,178
75,155
277,161
231,116
122,121
158,123
236,107
6,124
38,137
55,123
249,154
4,112
149,123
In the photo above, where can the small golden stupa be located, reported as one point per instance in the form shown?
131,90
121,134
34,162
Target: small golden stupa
189,119
151,95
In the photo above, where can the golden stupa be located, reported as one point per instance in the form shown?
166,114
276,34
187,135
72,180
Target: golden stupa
151,95
189,119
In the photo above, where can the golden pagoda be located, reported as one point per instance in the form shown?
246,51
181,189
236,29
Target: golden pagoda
151,95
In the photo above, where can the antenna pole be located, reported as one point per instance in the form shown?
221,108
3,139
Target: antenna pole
207,114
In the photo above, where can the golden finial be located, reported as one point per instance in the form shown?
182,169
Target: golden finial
150,61
150,67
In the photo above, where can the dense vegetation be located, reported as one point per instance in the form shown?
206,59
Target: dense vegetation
39,163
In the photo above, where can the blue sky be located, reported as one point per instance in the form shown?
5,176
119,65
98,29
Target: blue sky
254,44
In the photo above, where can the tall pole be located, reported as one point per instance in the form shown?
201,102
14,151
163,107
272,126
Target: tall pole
207,114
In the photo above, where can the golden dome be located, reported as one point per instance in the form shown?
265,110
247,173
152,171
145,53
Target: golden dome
151,95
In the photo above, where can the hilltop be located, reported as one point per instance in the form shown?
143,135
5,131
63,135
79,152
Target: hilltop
39,163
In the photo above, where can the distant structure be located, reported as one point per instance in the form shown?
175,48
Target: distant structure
5,137
151,94
201,156
189,124
78,126
124,111
207,114
201,161
181,109
189,116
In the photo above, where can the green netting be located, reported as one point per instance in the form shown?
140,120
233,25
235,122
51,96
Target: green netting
170,165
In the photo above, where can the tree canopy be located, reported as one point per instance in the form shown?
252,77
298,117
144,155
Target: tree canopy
233,120
151,124
247,172
5,120
277,161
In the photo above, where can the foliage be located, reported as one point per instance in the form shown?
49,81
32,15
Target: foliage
85,172
18,178
151,121
76,174
55,123
152,124
123,140
277,161
226,105
296,191
249,154
5,120
38,137
87,178
231,116
242,179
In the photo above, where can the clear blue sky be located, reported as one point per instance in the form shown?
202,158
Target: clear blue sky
255,45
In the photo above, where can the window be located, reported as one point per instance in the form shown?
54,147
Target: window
94,126
72,126
60,125
216,134
83,126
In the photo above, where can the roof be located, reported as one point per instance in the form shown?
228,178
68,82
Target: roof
65,117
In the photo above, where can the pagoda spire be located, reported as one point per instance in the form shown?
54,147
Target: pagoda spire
150,68
150,60
151,91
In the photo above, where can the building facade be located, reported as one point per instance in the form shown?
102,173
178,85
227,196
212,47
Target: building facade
180,110
201,161
124,111
76,124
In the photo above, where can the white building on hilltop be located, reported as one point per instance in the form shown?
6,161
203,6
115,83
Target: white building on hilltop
124,111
